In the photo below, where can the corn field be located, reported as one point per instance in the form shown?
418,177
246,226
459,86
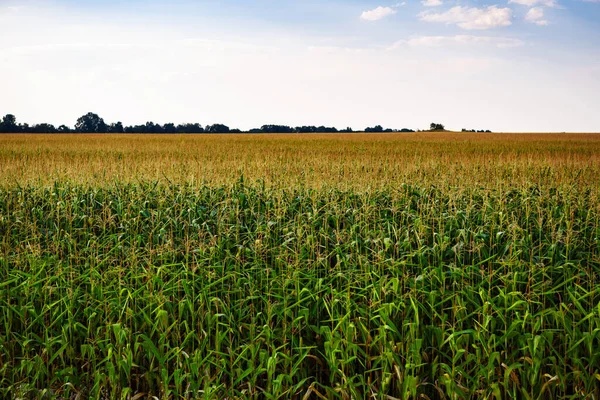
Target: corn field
401,266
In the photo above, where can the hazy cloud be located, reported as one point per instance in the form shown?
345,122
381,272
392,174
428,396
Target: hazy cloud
536,16
531,3
459,40
377,13
471,18
432,3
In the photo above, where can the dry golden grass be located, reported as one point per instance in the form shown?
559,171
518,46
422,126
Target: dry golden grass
363,161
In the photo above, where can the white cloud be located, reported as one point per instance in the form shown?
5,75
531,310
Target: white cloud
459,40
431,3
471,18
377,14
531,3
536,16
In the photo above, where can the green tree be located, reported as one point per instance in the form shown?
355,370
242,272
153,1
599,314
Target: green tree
436,127
9,124
376,128
116,127
217,128
91,123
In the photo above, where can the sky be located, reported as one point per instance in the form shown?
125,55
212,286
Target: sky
503,65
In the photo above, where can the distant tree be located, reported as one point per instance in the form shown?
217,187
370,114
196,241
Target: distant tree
276,129
91,123
190,128
477,130
64,129
305,129
217,128
8,124
9,119
116,127
43,128
151,127
135,129
376,128
235,131
406,130
436,127
169,128
326,129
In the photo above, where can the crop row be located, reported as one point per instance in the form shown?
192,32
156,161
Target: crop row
242,291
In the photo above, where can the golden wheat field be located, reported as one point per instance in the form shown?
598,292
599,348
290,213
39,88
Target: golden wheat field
343,160
339,266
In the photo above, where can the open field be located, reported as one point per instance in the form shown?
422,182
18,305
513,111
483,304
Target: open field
359,161
381,266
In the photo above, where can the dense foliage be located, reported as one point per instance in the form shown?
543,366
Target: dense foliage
240,291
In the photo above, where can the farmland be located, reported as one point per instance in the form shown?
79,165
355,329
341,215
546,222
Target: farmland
417,265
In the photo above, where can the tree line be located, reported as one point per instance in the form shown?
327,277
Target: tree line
92,123
475,130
